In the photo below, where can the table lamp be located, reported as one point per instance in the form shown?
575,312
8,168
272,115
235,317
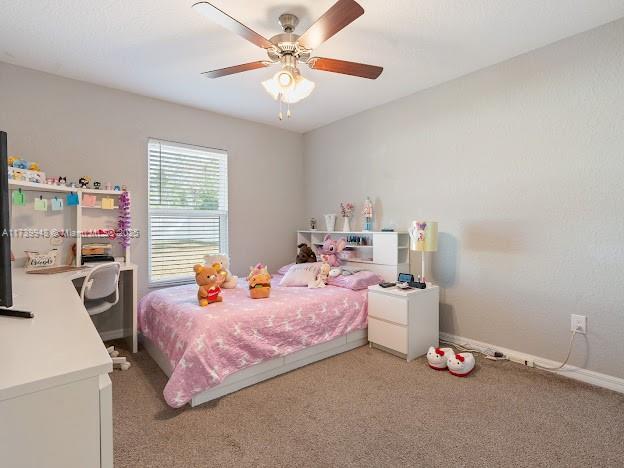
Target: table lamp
424,238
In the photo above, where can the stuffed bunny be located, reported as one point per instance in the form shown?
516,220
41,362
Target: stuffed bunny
330,250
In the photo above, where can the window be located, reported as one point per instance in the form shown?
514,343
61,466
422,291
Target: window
188,209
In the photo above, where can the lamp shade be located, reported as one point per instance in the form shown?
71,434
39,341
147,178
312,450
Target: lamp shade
424,236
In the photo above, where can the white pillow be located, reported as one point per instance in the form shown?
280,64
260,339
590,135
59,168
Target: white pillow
301,274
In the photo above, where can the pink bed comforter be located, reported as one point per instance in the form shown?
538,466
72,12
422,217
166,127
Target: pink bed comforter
206,344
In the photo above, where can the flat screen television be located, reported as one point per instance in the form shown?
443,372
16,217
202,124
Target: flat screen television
6,294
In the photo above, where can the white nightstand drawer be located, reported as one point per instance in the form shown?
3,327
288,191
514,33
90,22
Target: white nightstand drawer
387,334
386,307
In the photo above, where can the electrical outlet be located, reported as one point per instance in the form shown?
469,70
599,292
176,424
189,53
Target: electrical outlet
579,323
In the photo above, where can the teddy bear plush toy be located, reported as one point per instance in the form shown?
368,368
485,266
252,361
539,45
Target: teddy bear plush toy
330,250
321,278
306,254
206,278
221,263
259,281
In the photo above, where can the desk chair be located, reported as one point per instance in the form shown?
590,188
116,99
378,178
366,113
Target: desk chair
96,293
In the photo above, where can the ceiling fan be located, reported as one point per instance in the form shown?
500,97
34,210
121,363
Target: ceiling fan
290,49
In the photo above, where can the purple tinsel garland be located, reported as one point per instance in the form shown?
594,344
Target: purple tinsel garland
125,220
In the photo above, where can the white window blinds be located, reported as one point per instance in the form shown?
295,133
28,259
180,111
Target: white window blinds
188,209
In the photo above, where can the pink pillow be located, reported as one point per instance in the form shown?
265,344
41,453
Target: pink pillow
282,271
356,281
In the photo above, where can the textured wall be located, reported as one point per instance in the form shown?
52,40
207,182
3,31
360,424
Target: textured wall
523,166
75,128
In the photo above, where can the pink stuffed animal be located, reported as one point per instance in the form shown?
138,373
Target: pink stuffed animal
330,250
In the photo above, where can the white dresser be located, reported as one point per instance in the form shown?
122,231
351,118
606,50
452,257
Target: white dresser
404,322
55,393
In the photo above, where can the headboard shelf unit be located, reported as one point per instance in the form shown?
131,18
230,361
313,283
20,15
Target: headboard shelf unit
385,253
85,221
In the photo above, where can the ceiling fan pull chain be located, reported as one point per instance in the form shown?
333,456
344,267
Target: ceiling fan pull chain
280,115
288,111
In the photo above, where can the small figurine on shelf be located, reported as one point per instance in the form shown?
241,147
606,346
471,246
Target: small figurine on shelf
124,188
117,188
11,160
97,185
108,186
72,185
20,164
62,181
84,182
34,167
313,224
51,181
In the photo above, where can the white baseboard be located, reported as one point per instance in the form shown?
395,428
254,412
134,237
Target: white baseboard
113,334
578,373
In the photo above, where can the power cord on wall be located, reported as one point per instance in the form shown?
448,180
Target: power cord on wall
572,335
493,355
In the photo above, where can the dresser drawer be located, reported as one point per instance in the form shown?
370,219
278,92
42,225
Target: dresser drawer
386,307
387,334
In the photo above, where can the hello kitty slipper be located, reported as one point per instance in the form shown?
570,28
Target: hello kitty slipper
438,357
461,364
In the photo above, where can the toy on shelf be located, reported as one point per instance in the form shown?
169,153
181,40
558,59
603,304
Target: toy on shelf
97,185
50,181
62,181
259,281
11,160
321,278
84,182
206,279
124,188
108,186
117,188
20,164
306,254
33,166
330,250
221,263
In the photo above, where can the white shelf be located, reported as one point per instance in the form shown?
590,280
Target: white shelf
35,187
370,233
348,246
99,207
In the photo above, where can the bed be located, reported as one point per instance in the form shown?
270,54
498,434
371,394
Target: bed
208,352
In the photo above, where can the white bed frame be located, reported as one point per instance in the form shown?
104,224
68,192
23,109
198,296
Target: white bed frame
265,370
386,253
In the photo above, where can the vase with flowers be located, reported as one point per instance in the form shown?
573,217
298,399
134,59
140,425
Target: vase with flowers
346,210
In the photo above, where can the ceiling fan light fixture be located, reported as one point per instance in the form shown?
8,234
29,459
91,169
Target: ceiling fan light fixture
288,86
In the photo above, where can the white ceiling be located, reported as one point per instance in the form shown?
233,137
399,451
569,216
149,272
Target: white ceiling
159,47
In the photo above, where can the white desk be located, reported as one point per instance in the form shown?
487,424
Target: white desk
55,393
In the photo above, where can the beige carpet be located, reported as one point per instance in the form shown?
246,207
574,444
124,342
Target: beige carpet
369,408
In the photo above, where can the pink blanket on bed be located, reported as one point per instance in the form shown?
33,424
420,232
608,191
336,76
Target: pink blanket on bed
206,344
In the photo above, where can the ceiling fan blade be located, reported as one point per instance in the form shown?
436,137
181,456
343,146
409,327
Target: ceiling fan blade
236,69
336,18
226,21
362,70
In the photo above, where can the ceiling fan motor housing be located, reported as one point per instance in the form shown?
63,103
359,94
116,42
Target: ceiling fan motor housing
288,22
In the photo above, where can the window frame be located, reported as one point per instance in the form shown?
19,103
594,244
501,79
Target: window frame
223,215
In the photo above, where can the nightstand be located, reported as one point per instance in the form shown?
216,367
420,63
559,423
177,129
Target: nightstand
403,322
